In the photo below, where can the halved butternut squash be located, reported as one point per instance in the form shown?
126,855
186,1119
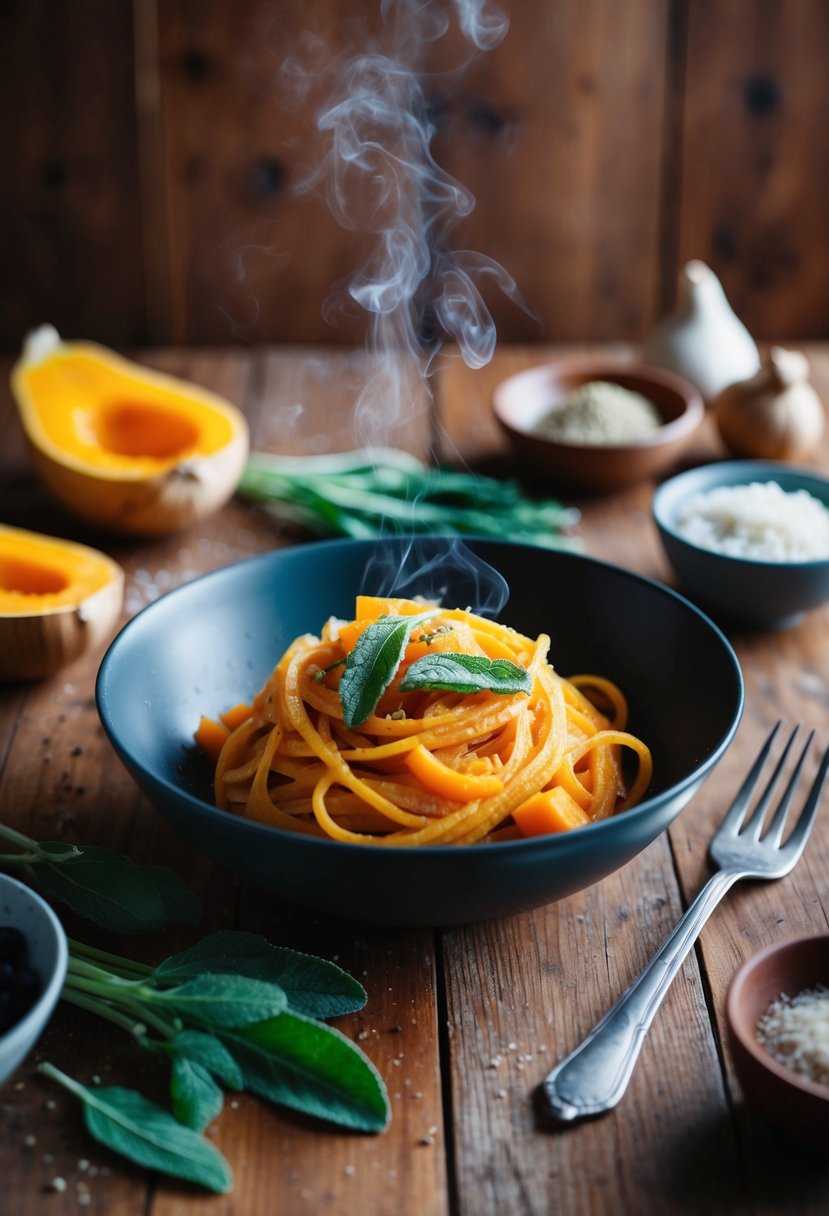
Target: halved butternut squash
57,600
124,447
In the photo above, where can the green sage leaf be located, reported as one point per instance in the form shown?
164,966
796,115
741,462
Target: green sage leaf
372,664
127,1123
222,1000
181,903
196,1098
313,986
208,1051
103,886
106,887
466,673
310,1067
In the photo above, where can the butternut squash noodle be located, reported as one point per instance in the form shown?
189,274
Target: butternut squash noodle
427,767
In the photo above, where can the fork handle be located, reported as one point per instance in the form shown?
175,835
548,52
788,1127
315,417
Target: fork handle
593,1078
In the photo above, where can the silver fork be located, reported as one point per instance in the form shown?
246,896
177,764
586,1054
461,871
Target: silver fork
593,1078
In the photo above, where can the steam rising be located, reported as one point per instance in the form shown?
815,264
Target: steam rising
381,181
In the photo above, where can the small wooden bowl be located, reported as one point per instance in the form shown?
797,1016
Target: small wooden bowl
791,1101
521,401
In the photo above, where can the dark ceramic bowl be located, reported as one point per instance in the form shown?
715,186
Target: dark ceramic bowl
787,1099
758,593
522,400
47,956
214,642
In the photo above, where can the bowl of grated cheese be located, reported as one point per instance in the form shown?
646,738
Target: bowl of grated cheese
778,1021
749,540
595,425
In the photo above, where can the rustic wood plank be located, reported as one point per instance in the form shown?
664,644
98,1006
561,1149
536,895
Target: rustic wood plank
61,780
540,982
235,148
69,176
521,994
787,675
679,1142
753,204
541,130
306,403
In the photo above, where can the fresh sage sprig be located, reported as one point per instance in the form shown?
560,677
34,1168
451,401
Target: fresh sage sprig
102,885
232,1012
383,491
372,663
466,673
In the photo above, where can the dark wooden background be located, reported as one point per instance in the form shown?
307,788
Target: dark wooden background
150,164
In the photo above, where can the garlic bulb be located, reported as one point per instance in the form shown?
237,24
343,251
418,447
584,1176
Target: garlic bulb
703,340
774,415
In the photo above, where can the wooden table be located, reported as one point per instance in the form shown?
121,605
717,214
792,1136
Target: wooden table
463,1024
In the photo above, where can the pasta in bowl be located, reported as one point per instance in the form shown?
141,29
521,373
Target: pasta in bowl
221,645
414,724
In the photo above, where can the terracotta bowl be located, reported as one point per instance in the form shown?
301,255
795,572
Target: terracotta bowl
786,1098
522,400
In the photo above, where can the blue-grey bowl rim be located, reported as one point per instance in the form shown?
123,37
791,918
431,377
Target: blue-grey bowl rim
694,777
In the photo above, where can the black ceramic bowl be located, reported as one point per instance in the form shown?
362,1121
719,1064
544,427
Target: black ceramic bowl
213,642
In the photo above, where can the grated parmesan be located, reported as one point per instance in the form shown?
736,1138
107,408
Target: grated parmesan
795,1032
759,520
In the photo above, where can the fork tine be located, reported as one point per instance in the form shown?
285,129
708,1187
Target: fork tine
774,834
800,832
737,810
754,824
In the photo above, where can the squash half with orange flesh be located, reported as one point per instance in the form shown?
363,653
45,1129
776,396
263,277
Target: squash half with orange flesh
124,447
58,599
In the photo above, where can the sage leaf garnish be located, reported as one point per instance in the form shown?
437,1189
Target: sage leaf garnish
373,662
313,986
127,1123
466,673
312,1068
224,1000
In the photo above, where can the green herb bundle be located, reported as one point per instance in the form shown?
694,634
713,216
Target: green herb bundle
382,491
232,1012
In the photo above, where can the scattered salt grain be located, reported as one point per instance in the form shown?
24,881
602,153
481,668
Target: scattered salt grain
795,1032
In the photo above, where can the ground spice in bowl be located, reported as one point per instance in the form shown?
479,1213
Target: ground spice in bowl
600,412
